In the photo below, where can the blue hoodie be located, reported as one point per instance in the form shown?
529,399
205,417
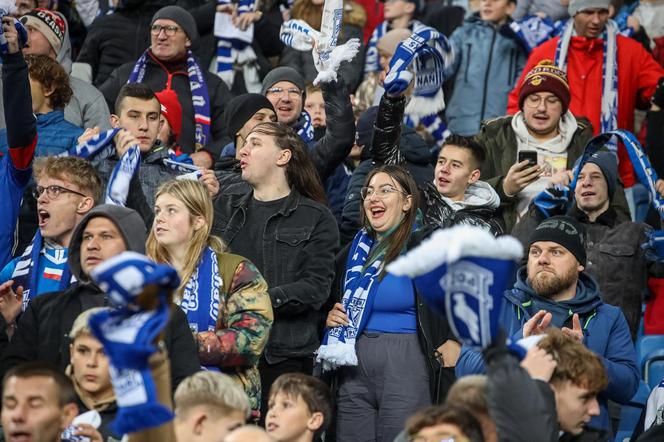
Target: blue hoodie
605,332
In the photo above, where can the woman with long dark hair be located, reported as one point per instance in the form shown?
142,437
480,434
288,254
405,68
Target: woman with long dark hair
381,337
283,226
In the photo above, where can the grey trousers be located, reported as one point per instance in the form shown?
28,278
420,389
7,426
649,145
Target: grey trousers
389,384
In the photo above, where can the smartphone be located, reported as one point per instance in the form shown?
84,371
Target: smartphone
529,155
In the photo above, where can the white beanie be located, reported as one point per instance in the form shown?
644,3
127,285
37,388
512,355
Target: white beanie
576,6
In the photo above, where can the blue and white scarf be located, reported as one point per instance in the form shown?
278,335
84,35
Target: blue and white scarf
322,45
117,188
306,130
128,333
532,31
372,58
429,52
200,299
22,32
233,46
433,124
360,287
26,272
609,115
199,94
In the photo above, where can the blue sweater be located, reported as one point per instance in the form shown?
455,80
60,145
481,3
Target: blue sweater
393,309
56,135
605,332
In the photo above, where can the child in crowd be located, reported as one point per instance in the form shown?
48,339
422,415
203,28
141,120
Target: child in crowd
488,60
299,408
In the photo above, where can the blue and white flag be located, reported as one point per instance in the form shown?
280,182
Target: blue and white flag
323,45
532,31
128,333
461,273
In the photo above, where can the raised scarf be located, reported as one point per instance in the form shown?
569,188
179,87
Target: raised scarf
128,332
427,52
360,286
322,45
199,94
609,115
233,45
532,31
200,299
22,32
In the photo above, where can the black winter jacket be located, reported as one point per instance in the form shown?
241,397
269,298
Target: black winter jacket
297,261
158,77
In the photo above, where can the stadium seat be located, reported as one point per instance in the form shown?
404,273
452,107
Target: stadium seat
653,367
631,413
647,344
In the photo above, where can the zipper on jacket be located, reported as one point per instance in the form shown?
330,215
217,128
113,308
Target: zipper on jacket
488,70
465,74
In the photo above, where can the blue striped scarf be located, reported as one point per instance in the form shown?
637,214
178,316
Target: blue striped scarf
199,94
22,34
231,49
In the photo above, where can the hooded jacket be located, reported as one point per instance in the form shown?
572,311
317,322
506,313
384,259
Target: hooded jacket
56,135
43,329
605,332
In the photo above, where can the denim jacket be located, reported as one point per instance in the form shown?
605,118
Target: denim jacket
297,261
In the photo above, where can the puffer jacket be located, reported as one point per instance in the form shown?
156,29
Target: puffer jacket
351,72
296,258
614,257
605,332
243,325
501,146
55,135
392,143
487,63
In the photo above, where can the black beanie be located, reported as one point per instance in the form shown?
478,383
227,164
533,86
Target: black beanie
180,16
565,231
240,109
608,164
283,73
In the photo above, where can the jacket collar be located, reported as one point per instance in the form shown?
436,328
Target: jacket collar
608,218
53,117
289,204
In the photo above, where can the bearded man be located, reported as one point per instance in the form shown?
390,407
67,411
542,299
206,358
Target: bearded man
553,290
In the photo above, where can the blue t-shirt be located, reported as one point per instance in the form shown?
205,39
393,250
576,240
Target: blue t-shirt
394,307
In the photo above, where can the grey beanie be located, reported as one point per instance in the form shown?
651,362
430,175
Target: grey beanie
282,73
576,6
180,16
607,162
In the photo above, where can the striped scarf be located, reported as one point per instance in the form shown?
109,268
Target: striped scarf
22,34
199,94
233,45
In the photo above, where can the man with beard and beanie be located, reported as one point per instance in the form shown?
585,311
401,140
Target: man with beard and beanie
42,330
169,63
48,34
615,256
609,75
544,127
554,290
285,89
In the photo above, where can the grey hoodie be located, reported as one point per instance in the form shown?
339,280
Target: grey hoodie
87,107
129,223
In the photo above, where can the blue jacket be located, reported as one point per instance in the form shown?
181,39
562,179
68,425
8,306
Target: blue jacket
487,64
605,332
56,135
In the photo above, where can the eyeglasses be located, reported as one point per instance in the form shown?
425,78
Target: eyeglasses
292,92
53,192
170,30
381,193
534,101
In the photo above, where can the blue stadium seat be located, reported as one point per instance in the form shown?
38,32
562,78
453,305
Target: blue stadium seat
647,344
631,413
653,368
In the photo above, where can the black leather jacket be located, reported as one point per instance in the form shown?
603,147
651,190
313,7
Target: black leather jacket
297,260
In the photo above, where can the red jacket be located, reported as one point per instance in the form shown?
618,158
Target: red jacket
638,74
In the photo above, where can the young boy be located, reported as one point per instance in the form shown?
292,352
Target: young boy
315,106
299,409
488,61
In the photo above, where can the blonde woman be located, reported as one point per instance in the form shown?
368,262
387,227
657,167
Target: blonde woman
223,295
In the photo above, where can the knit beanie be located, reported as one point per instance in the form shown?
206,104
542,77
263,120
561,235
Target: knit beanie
180,16
565,231
171,110
282,73
576,6
51,25
606,161
388,43
240,109
546,77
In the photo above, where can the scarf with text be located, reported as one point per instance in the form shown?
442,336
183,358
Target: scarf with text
128,332
322,45
199,94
